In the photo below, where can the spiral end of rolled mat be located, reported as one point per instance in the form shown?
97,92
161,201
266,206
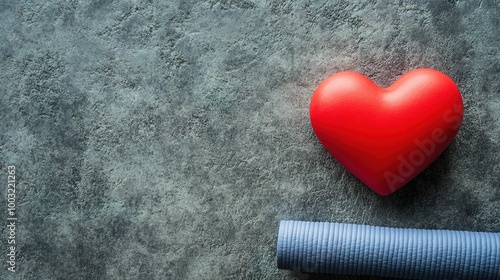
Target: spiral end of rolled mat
350,249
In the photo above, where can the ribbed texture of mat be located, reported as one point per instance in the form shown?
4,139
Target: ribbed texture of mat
349,249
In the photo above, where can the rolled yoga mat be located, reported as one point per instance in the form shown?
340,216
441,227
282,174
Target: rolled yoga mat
349,249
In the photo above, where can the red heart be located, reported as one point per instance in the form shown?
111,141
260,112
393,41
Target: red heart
386,136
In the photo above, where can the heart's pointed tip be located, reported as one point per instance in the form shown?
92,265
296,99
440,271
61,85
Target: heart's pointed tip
385,192
384,189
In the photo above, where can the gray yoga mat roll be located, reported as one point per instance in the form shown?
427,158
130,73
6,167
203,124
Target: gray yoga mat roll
350,249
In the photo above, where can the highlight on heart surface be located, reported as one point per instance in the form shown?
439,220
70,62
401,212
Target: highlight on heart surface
386,136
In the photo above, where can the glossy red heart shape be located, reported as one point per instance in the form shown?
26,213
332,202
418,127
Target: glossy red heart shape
386,136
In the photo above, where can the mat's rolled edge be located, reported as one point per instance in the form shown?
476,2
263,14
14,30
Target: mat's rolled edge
350,249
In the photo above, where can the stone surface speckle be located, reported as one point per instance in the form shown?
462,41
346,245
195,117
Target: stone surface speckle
167,139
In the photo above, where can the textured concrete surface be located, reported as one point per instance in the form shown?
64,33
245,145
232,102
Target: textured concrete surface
166,139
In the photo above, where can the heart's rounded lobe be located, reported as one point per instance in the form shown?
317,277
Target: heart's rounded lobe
386,136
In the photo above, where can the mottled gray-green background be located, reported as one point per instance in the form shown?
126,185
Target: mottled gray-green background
166,139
